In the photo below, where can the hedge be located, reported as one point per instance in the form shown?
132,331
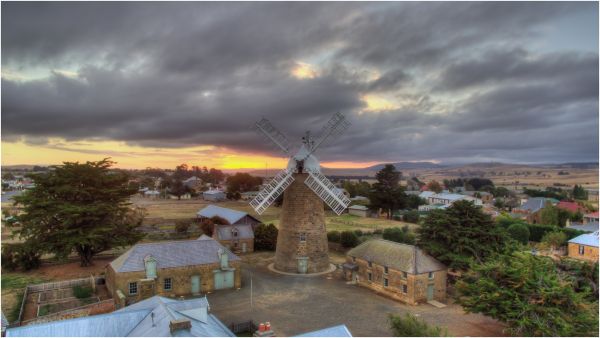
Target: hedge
537,231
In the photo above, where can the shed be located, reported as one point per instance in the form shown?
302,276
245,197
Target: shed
358,210
214,195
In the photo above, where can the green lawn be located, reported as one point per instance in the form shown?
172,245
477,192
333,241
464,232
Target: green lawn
18,280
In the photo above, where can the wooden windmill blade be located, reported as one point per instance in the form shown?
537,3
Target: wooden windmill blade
268,131
320,185
272,190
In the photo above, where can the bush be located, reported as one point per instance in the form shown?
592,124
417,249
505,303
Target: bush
348,239
554,239
377,232
265,237
182,226
399,235
411,216
519,232
358,232
81,291
20,255
411,326
537,231
207,226
572,233
333,236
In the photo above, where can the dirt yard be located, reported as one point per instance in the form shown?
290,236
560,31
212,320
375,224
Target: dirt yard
296,305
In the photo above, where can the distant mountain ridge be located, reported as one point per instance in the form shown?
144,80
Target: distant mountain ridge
408,166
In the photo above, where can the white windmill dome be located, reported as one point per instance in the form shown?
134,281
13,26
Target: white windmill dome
311,163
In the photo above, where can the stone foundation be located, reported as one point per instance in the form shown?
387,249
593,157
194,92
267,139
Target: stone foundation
302,234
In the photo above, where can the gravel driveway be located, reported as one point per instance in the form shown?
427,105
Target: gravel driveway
296,305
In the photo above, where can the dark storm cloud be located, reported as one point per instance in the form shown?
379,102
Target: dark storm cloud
469,85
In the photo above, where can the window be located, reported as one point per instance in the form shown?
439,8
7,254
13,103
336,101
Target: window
385,282
385,269
303,237
133,288
234,232
370,264
167,284
353,259
431,275
581,249
404,274
235,244
404,288
370,276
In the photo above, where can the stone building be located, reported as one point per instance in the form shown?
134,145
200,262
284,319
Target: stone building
399,271
238,238
172,269
584,247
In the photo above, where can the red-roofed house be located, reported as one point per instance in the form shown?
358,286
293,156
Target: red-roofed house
591,217
571,207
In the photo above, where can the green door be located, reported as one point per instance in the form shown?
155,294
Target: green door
430,292
195,284
223,280
302,265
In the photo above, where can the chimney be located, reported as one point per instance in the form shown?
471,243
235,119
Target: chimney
264,330
180,324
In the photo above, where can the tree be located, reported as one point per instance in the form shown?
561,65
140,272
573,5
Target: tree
399,235
413,201
435,186
20,255
411,326
387,193
348,239
579,193
182,226
78,207
333,236
528,294
265,237
207,226
554,239
242,182
8,176
177,188
519,232
411,216
459,234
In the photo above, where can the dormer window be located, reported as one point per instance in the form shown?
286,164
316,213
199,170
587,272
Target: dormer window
234,232
150,266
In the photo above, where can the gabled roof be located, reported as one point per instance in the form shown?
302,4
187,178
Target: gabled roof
171,254
569,206
334,331
397,256
225,232
148,318
533,204
586,239
591,215
230,215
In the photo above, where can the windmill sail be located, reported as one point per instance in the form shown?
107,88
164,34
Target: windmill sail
271,191
334,127
331,195
266,129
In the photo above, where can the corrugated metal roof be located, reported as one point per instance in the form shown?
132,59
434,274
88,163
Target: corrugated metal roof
533,204
230,215
448,196
225,232
396,256
586,239
148,318
171,254
587,227
334,331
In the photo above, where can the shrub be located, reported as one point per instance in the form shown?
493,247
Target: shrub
348,239
411,216
399,235
377,232
411,326
182,226
358,232
537,231
20,255
554,239
81,291
207,226
333,236
519,232
572,233
265,237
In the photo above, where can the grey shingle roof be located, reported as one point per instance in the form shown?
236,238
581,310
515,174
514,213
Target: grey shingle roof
135,321
397,256
171,255
533,204
230,215
224,232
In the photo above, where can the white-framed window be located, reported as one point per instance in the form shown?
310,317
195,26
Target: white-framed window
370,275
385,269
431,275
581,249
404,288
133,288
385,282
167,283
302,237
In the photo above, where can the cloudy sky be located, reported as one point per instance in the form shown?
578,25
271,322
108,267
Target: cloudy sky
157,84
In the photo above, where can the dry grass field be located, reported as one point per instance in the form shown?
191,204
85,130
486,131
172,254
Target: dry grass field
172,210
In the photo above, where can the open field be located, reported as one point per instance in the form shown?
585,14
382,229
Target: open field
171,210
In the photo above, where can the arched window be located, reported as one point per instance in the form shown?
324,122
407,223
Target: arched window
150,265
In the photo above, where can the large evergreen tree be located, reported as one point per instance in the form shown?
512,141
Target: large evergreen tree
459,234
387,193
530,295
82,208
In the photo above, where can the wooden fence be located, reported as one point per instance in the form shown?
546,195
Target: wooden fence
60,285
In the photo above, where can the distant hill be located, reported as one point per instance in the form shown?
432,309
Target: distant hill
408,166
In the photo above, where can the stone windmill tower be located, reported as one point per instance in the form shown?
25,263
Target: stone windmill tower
302,240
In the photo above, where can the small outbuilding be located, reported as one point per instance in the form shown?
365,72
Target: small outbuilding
358,210
214,195
584,247
400,271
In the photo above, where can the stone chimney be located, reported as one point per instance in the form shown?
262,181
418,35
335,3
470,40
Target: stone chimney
180,324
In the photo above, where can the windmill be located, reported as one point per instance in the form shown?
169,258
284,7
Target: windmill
302,241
